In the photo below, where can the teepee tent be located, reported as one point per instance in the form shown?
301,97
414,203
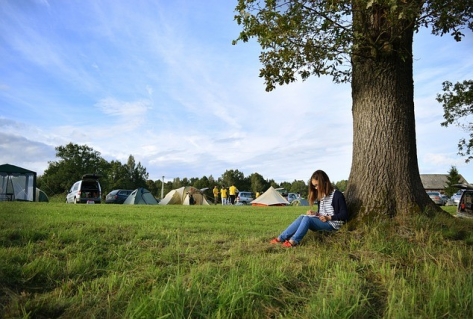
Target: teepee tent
140,196
181,196
270,198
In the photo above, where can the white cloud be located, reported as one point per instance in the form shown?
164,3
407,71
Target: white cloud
125,110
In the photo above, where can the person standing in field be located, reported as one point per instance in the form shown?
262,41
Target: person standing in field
224,195
233,193
331,214
215,191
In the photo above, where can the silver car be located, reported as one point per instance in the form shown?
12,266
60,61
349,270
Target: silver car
244,197
436,198
292,197
456,197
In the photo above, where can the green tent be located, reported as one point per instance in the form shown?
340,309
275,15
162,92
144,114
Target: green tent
17,183
41,196
141,196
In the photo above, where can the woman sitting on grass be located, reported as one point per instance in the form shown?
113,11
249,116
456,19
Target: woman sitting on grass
331,214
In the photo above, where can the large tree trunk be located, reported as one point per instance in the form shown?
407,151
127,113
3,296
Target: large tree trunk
384,176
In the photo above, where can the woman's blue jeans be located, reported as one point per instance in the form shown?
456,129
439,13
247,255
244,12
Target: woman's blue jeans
300,226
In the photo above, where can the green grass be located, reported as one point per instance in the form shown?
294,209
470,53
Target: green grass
121,261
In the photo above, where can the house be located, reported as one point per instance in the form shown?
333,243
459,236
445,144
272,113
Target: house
437,182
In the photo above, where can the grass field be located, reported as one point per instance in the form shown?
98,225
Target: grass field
122,261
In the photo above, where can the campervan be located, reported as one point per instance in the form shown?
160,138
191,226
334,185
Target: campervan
86,191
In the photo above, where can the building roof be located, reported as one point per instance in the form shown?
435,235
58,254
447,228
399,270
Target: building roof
438,181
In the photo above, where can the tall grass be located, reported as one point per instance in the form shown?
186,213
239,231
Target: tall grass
123,261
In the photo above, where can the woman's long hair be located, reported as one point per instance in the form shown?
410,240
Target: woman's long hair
324,186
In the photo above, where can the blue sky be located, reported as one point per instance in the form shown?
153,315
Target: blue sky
160,80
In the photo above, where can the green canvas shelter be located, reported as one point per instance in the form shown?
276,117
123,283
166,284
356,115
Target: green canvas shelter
17,183
140,196
41,196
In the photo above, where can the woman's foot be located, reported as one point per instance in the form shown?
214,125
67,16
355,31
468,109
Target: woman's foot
275,241
288,243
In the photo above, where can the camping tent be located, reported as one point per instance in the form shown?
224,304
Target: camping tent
270,198
182,195
41,196
300,202
140,196
17,183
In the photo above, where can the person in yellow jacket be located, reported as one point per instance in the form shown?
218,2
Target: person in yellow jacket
224,195
215,191
233,191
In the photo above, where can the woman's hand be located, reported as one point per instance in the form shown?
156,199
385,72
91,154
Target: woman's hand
310,212
324,218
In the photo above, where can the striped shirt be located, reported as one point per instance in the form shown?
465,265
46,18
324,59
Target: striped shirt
326,209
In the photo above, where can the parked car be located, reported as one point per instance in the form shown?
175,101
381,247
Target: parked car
445,199
117,196
87,190
436,197
244,197
292,197
464,208
456,197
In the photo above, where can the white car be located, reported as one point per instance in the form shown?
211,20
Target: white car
456,197
86,191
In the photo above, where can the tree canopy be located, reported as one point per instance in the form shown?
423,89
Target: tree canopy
304,38
457,106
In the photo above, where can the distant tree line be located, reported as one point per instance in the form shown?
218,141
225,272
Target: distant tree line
77,160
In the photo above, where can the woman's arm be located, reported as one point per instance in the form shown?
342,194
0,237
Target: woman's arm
340,207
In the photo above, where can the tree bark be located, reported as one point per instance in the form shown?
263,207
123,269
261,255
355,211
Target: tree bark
384,177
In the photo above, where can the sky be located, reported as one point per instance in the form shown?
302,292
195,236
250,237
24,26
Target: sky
161,80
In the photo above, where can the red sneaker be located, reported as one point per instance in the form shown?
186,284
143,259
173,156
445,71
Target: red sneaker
275,241
287,244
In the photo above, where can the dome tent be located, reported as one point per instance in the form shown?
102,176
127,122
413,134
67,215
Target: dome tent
182,195
140,196
41,196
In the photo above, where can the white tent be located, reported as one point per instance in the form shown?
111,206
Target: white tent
270,198
182,195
